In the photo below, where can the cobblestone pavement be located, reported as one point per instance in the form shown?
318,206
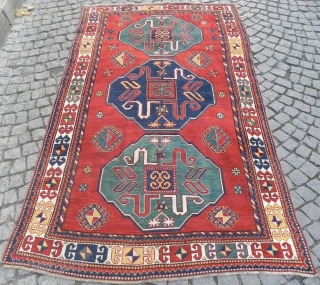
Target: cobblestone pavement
285,42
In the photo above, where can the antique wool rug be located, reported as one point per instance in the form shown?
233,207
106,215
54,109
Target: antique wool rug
158,161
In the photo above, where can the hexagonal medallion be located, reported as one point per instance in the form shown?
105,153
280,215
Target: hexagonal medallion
161,95
160,182
160,35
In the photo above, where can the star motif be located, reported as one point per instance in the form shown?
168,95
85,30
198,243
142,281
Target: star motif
161,206
83,187
236,171
237,189
87,169
220,115
99,115
154,223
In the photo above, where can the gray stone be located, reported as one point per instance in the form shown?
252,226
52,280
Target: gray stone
29,148
303,151
282,118
298,134
295,160
203,281
31,160
314,230
250,279
297,177
315,158
314,184
6,275
19,129
306,193
299,124
32,279
178,282
301,106
13,153
315,132
311,210
18,166
228,279
303,219
306,118
267,279
309,169
35,124
311,281
291,144
292,112
16,180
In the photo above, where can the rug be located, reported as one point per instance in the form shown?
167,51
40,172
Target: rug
158,161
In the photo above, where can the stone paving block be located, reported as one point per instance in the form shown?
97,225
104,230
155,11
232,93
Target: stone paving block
228,279
306,193
311,281
298,134
312,211
315,158
7,214
292,112
204,281
18,166
314,184
314,230
303,151
287,168
250,279
267,279
32,279
293,282
309,169
290,144
303,219
178,282
297,177
315,132
299,124
6,274
13,153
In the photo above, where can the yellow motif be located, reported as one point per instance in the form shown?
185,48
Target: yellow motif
41,217
86,45
277,223
132,255
236,46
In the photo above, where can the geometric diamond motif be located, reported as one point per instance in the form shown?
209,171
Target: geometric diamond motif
42,246
41,217
276,221
132,255
199,59
107,139
181,253
272,250
216,139
92,217
225,251
85,253
123,58
222,217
